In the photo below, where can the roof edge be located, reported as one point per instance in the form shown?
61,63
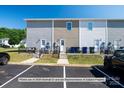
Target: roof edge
40,19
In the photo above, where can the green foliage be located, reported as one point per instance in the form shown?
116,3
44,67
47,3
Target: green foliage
15,35
21,46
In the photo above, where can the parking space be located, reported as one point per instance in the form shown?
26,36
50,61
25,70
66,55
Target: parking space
10,74
78,72
84,72
38,71
7,72
44,71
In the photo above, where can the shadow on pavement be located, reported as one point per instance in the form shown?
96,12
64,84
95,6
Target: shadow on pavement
117,75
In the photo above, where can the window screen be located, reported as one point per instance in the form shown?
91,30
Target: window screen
69,26
90,26
43,42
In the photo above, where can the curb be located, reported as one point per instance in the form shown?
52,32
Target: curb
70,65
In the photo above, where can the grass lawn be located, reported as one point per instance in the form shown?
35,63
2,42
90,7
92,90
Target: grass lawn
7,49
48,58
85,59
14,56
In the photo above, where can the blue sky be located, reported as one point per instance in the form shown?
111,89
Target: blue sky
12,16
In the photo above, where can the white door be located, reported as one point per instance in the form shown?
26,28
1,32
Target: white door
97,44
62,43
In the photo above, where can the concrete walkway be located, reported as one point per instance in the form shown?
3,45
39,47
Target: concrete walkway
29,61
62,61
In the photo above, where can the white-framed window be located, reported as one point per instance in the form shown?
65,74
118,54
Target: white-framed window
47,45
69,26
90,26
62,42
43,42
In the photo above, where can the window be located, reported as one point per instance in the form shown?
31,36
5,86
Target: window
69,26
62,42
43,42
48,45
90,26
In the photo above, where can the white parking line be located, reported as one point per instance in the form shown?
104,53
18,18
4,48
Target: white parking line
16,76
109,77
64,76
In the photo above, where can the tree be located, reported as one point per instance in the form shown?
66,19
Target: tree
15,35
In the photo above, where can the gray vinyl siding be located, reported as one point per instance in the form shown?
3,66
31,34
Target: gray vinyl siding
116,31
38,30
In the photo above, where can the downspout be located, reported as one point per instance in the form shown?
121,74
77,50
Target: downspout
52,34
106,34
79,34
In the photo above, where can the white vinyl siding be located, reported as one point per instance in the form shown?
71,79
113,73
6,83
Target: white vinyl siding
89,38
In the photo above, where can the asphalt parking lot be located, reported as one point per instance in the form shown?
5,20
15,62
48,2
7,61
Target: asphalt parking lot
10,75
